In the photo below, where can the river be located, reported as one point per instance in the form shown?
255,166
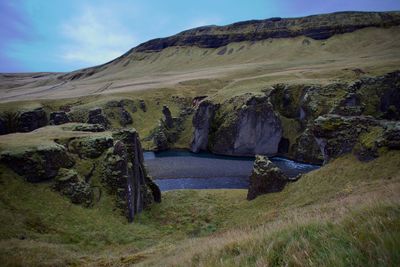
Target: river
185,170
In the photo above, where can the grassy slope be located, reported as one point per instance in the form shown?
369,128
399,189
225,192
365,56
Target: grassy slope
250,66
214,227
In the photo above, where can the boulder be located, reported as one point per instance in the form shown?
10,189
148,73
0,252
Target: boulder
124,117
71,185
58,117
31,120
37,164
90,146
265,178
96,116
167,117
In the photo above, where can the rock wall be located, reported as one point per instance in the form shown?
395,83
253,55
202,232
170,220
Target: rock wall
70,164
201,123
362,135
285,120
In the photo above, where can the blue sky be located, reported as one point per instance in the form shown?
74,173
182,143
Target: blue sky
64,35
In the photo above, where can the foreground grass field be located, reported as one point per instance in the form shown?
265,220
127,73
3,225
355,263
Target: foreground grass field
346,213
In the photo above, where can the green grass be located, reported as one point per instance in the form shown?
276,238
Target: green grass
39,226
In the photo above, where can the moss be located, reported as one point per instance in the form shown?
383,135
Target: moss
369,138
291,130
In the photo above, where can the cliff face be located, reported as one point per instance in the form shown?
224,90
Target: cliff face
307,123
74,162
249,129
317,27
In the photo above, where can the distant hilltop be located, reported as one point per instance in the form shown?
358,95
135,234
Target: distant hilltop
316,27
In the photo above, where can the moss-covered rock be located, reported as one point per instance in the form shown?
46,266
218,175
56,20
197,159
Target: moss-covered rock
39,163
265,178
96,116
246,128
84,127
58,117
71,185
31,120
90,146
125,177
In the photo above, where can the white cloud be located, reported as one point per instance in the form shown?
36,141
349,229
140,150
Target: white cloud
95,36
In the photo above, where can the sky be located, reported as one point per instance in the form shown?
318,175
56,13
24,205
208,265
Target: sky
65,35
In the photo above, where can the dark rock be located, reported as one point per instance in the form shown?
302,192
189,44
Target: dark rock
284,145
201,122
31,120
125,175
90,146
71,185
349,106
380,96
167,117
142,105
307,149
89,128
337,135
3,127
38,164
58,117
265,178
391,135
96,116
160,138
128,104
253,128
124,117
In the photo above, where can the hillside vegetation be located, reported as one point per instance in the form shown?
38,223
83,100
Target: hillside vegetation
325,89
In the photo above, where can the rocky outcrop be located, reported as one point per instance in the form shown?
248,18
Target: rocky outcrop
58,117
38,164
167,117
3,127
168,129
306,148
31,120
125,175
142,105
89,146
70,184
337,135
74,163
379,96
202,120
362,135
255,128
96,116
316,27
265,178
124,117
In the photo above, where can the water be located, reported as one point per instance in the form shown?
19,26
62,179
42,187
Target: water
185,170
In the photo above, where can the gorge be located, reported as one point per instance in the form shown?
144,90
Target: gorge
301,116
